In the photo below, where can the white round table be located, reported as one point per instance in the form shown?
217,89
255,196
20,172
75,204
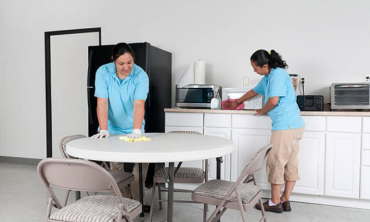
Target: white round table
163,147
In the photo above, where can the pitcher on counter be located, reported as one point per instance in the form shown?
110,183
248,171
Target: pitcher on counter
287,125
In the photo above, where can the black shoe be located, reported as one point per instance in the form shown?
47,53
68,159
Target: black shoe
286,206
278,208
146,208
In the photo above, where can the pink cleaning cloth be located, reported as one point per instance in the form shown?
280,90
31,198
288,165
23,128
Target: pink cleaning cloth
240,106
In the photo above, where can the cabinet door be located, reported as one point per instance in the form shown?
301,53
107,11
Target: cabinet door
365,182
247,143
311,159
225,166
342,164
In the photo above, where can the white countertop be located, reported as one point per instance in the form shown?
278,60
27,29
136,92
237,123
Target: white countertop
164,147
251,112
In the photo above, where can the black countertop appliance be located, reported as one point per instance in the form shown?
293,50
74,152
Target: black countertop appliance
311,102
156,63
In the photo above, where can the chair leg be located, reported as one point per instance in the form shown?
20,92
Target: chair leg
263,210
205,212
153,196
160,196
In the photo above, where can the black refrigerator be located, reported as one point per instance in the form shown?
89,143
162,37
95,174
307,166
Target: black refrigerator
155,62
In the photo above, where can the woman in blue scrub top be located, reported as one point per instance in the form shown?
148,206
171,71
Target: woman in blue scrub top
121,88
287,125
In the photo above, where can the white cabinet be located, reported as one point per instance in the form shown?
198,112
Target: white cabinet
342,167
365,183
185,122
247,143
311,158
225,166
365,163
344,124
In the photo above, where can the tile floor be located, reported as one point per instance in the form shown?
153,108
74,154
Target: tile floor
24,198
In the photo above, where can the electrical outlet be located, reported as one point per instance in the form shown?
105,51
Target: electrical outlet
367,78
304,80
245,81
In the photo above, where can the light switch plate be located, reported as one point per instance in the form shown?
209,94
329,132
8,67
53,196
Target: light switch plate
245,81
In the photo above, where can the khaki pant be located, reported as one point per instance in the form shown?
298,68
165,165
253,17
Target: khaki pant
282,161
132,191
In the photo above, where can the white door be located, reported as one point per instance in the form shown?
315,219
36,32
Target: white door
311,159
69,63
225,166
342,164
247,143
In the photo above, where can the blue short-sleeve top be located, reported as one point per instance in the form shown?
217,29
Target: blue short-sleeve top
121,95
286,114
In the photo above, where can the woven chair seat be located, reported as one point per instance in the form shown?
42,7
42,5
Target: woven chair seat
184,172
98,208
218,189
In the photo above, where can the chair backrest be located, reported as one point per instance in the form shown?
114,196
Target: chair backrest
63,144
77,175
255,163
185,132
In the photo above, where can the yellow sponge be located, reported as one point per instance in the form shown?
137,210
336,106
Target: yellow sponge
141,139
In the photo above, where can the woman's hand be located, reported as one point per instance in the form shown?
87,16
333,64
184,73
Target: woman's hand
259,112
136,134
101,134
231,105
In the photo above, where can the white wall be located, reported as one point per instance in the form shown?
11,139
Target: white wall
23,24
325,41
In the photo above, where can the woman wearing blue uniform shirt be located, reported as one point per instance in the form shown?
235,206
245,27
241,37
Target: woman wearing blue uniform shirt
287,125
121,88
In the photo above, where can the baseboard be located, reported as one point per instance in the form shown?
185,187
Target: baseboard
19,160
326,200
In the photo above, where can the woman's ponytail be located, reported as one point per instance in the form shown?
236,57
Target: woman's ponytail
272,58
276,60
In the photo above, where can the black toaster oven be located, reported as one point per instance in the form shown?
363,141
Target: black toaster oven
310,103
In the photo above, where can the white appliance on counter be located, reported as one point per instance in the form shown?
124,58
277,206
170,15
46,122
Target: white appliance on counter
256,102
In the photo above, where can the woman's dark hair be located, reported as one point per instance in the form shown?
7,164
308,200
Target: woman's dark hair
273,59
120,49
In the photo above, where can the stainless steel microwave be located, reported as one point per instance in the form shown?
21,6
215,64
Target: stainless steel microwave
196,95
350,95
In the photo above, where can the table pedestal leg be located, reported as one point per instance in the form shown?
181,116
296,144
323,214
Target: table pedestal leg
141,189
170,193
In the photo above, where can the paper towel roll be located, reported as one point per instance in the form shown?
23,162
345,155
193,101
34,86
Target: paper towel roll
200,72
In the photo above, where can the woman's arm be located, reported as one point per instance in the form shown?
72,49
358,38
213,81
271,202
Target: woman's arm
138,113
271,103
102,113
249,95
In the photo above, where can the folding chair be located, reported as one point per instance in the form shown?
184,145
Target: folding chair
182,175
240,195
82,175
122,178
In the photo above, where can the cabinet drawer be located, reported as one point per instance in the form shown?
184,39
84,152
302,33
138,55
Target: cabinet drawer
366,141
251,122
184,119
366,125
344,124
365,158
315,123
217,120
